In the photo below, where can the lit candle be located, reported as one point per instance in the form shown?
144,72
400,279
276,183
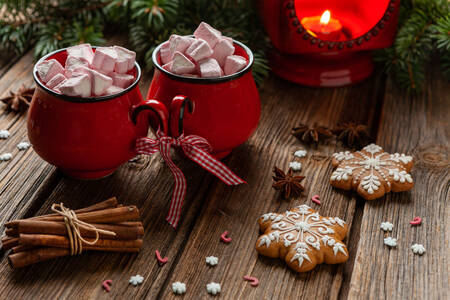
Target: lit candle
323,27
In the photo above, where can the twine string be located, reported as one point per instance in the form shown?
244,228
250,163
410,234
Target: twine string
73,225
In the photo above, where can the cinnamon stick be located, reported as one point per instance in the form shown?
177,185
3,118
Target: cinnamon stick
29,257
109,215
9,242
122,232
49,240
109,203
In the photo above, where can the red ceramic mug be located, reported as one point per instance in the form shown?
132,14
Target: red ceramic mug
223,110
89,138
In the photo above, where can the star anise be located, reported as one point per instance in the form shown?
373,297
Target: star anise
352,134
288,183
20,100
311,134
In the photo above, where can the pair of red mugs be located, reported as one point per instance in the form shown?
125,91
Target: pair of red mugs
89,138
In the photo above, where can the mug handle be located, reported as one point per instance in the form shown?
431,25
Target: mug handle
177,111
158,108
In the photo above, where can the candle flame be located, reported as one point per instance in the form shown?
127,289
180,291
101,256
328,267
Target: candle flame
325,18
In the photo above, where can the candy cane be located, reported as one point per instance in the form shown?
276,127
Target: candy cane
106,285
315,199
254,281
416,221
160,259
224,237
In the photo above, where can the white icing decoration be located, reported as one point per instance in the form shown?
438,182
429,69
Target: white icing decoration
179,287
295,165
343,155
386,226
418,249
212,260
380,166
4,134
135,280
23,145
5,156
372,148
304,229
300,153
213,288
272,217
390,241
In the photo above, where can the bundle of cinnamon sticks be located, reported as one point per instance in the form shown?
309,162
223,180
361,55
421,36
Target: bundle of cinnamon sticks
45,237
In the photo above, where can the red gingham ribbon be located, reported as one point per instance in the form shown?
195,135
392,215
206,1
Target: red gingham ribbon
195,148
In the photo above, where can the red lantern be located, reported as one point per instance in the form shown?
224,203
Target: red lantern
327,42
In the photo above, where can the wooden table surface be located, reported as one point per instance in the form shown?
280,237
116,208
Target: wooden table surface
417,125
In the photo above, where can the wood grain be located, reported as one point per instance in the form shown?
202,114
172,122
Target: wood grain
418,126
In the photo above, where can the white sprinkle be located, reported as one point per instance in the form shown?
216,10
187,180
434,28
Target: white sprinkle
387,226
390,241
4,134
135,280
213,288
5,156
300,153
212,260
23,145
295,165
179,287
418,249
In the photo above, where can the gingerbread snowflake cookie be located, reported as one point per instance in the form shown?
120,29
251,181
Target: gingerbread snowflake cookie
372,172
302,238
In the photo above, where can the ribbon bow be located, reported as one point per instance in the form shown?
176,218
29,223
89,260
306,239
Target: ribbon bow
196,149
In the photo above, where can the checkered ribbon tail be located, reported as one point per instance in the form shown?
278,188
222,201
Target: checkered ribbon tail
196,149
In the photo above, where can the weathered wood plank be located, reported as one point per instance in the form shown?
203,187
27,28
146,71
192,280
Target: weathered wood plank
284,105
419,126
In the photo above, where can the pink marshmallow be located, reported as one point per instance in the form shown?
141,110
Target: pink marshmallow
76,86
190,75
222,49
234,63
181,64
179,43
122,80
73,63
99,81
113,90
210,68
82,51
104,59
125,60
56,80
48,69
199,50
206,32
168,66
166,55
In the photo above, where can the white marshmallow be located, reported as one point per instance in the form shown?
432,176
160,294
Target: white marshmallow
199,50
168,66
166,55
99,81
122,80
206,32
76,86
234,63
190,75
222,49
210,68
48,69
125,60
113,90
104,59
181,64
57,79
179,43
73,63
82,51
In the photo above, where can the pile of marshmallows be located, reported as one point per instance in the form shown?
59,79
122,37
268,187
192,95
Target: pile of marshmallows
209,54
87,73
